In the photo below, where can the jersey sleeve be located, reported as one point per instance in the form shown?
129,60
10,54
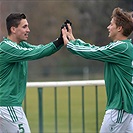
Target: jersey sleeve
14,53
112,52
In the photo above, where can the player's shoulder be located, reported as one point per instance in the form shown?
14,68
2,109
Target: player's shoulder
121,43
7,42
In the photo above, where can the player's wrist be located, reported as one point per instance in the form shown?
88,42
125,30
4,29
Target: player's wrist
58,42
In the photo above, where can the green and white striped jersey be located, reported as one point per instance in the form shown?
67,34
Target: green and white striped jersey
13,68
118,74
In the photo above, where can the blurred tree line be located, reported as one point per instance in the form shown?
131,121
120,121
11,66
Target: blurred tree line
90,19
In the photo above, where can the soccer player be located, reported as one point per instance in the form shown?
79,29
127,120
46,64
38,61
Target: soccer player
118,74
14,54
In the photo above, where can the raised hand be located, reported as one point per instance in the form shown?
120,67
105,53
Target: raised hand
67,22
70,34
65,35
67,32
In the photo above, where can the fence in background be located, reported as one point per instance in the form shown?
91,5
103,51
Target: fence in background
69,84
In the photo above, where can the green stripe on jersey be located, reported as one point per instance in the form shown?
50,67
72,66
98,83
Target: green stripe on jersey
12,114
120,116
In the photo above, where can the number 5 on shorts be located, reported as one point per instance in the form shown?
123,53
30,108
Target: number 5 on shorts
21,129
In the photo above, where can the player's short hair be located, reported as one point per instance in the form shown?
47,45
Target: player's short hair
124,19
14,20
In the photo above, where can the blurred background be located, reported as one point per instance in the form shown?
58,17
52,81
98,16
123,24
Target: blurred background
90,19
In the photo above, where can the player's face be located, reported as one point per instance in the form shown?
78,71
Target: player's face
22,31
112,28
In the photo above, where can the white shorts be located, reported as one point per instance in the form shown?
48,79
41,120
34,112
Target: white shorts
13,120
117,121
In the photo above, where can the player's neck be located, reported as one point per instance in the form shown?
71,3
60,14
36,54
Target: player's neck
13,39
119,38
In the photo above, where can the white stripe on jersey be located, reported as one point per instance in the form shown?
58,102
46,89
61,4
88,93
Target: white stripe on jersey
94,48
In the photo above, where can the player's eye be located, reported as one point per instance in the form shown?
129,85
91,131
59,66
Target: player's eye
25,26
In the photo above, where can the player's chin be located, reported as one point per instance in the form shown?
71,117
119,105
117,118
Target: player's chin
25,38
109,35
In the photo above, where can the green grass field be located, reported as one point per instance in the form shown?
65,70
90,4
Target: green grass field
62,109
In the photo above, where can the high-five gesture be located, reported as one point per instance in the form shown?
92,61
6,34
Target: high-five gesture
67,32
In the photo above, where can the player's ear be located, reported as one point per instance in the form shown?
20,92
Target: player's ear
119,28
13,29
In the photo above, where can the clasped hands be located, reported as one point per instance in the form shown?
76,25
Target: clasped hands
66,32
